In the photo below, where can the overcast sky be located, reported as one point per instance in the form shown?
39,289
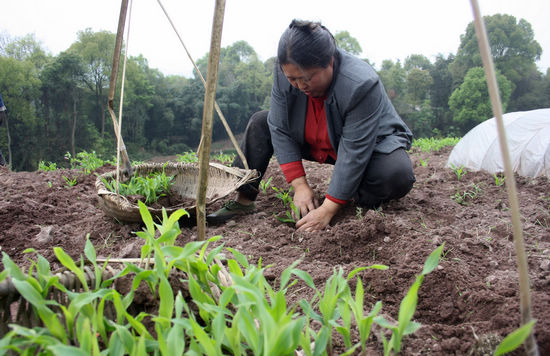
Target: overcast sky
389,29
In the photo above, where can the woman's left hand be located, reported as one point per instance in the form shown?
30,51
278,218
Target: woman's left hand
319,218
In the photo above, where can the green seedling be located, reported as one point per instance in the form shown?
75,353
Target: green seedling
71,182
292,215
458,171
285,196
432,144
405,325
515,339
224,158
499,179
47,167
152,187
264,184
87,162
424,163
188,157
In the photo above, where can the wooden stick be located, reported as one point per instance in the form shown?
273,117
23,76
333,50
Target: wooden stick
519,244
207,117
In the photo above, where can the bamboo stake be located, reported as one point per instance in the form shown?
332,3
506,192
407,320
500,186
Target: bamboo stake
112,85
519,244
207,116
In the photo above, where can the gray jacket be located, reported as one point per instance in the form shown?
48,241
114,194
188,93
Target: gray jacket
360,119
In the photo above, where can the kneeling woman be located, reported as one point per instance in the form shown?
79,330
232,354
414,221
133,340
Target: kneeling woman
331,107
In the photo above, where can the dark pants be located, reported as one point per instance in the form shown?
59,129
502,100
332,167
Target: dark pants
387,176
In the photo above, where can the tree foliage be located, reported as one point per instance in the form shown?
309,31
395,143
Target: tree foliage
57,104
470,103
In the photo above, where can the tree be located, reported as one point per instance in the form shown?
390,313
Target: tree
19,85
514,50
348,43
440,92
26,48
96,50
394,78
61,88
470,103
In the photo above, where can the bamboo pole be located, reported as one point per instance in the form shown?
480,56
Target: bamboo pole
112,86
207,116
519,244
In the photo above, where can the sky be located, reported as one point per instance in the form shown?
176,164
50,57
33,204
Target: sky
389,29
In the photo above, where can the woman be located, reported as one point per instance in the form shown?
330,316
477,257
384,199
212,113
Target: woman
331,107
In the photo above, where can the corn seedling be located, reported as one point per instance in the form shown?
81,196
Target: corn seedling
224,158
499,179
71,182
264,184
458,171
515,339
188,157
424,163
466,196
85,161
285,196
292,215
432,144
405,325
151,188
47,166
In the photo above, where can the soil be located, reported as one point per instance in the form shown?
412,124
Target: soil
465,306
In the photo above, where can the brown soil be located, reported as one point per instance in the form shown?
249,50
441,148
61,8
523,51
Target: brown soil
471,297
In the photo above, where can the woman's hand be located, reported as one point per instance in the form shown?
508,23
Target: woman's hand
304,197
319,218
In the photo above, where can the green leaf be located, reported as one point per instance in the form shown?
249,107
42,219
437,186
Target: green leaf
239,257
514,339
66,350
68,262
433,260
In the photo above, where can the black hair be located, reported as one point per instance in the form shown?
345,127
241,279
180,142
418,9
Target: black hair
306,44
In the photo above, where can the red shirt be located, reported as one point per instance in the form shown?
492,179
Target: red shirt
316,135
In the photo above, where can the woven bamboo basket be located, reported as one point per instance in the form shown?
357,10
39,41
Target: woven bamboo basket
222,181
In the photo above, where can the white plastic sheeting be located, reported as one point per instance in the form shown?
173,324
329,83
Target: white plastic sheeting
528,136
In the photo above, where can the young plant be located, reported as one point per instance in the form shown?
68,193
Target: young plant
458,171
264,184
405,325
285,196
85,161
292,215
499,179
224,158
153,187
71,182
188,157
47,167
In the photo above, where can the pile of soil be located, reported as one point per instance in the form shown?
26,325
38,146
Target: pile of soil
469,302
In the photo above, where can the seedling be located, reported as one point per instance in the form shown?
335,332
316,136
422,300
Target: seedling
85,161
283,195
407,308
47,167
265,184
188,157
153,187
459,171
292,215
424,163
224,158
71,182
499,179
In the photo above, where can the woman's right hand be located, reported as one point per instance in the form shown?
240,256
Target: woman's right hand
304,197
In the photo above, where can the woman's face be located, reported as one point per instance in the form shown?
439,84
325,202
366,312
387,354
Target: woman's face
312,81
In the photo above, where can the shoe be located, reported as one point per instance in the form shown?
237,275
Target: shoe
230,209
